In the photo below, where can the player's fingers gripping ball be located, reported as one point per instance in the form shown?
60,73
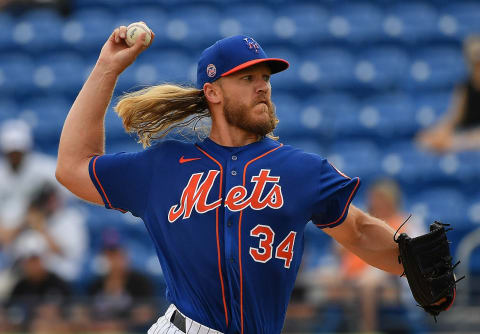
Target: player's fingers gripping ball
135,30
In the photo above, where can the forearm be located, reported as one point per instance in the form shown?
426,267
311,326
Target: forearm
375,244
369,238
83,133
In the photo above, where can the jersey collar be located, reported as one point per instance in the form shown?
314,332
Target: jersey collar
225,152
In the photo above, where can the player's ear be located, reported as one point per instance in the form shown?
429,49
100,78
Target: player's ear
212,92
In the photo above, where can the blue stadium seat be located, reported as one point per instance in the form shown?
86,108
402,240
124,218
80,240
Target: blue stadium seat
381,68
389,116
356,23
414,167
468,167
38,31
114,130
194,27
60,72
460,19
356,158
301,24
288,112
447,205
313,122
345,125
474,208
436,68
474,266
327,68
431,107
285,80
408,164
47,113
88,29
335,104
16,74
324,111
8,109
253,20
7,23
449,170
113,4
411,22
158,67
385,117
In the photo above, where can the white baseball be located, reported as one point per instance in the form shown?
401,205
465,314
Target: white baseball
134,31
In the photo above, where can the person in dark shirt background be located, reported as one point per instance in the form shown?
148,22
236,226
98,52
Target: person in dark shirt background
121,294
460,128
36,288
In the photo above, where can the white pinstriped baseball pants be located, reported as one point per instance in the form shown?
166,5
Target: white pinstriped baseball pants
164,326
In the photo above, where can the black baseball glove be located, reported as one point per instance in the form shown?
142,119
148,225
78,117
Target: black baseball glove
428,266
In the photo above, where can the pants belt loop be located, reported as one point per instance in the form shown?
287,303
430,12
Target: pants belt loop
179,321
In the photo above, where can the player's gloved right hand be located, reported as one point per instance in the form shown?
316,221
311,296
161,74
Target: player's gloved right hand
116,55
428,266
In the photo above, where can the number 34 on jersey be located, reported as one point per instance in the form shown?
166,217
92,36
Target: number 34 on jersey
264,252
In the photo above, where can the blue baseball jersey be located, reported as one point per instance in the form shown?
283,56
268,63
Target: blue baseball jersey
227,222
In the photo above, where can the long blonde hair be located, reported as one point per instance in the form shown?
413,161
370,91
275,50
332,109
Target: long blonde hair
154,111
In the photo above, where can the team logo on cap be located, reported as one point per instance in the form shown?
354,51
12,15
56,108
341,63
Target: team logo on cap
211,70
252,44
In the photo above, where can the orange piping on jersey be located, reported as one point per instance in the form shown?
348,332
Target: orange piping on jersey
345,208
240,238
103,191
339,172
218,239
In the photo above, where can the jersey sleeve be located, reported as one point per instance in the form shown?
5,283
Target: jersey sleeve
335,192
123,180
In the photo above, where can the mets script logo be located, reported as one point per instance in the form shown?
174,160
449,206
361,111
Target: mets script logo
195,194
252,44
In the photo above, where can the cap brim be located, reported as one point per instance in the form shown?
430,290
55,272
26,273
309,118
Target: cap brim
276,65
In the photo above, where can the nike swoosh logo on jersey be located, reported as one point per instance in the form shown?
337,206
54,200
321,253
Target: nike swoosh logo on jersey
183,160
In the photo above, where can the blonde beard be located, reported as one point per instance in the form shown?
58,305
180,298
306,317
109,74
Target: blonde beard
237,115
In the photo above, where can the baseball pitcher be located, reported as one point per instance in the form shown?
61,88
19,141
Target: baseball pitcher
226,214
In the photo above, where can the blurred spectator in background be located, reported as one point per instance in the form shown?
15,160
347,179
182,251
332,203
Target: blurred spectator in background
48,318
22,173
19,6
38,292
122,295
64,229
368,285
460,128
79,317
31,199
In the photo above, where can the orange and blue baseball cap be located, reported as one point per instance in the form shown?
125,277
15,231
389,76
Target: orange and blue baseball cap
233,54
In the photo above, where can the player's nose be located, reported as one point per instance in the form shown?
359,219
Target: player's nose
262,86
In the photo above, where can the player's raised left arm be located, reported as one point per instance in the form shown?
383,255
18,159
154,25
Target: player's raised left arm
369,238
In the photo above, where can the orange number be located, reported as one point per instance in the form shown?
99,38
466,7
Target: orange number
285,249
264,252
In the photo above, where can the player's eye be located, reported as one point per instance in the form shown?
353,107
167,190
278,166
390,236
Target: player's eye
266,78
247,78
